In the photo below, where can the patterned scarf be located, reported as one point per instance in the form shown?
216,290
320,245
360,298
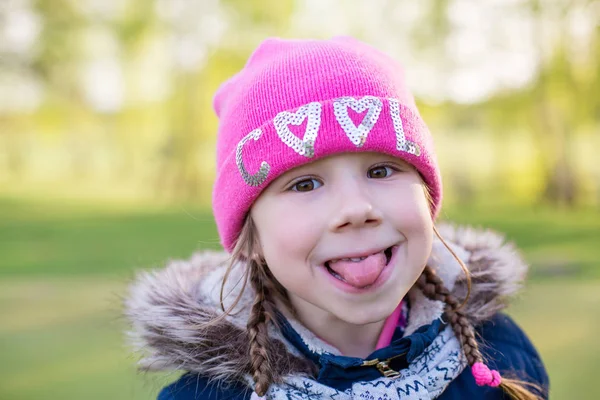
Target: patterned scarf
425,378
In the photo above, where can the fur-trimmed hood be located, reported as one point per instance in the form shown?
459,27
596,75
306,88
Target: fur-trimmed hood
170,309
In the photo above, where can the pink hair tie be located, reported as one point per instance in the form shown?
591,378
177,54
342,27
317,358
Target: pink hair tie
484,376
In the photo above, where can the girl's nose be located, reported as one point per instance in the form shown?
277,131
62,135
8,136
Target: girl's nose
355,209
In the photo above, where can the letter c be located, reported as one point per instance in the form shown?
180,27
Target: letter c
258,178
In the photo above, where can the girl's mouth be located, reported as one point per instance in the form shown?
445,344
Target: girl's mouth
360,272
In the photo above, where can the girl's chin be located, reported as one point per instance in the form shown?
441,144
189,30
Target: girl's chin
364,321
375,309
366,316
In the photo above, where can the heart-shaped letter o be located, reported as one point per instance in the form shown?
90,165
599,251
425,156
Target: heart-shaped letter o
306,145
357,134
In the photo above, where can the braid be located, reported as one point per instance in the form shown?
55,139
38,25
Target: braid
433,288
260,315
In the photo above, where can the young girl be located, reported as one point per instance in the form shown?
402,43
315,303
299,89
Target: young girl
337,284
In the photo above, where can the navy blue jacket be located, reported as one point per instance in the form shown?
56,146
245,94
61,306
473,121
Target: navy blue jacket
503,344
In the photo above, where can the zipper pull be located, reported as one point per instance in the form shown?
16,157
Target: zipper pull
383,367
386,370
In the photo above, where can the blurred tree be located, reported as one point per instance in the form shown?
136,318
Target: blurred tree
561,104
58,49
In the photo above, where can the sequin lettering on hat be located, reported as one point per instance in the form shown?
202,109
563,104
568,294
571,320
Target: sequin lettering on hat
401,143
357,134
251,179
306,145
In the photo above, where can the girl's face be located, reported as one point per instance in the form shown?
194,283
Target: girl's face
347,235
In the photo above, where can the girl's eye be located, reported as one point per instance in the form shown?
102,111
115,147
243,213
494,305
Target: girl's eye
306,185
379,172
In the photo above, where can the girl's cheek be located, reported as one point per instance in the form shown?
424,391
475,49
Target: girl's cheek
411,206
290,230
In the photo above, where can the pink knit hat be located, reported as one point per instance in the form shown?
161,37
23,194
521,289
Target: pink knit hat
297,101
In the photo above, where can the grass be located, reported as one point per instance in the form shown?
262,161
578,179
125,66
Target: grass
62,339
39,238
64,266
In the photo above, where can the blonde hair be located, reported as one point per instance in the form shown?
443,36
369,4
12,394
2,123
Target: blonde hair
268,290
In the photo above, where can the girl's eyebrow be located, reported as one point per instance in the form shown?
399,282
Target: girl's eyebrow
386,158
306,169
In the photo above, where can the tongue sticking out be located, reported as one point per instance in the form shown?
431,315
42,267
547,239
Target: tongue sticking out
360,273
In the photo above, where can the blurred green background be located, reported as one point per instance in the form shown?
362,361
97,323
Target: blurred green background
107,159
